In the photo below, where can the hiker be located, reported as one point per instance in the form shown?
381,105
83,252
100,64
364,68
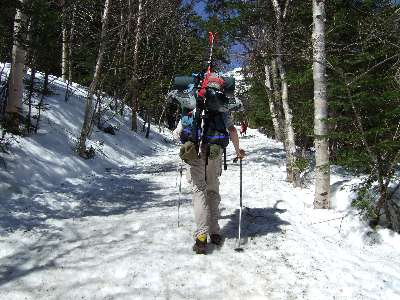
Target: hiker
205,128
243,128
205,185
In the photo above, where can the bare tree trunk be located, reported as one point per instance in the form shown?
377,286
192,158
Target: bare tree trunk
64,52
272,103
30,95
87,122
128,28
45,91
133,85
293,173
118,58
148,124
144,121
98,114
70,43
69,56
322,172
66,96
15,90
276,88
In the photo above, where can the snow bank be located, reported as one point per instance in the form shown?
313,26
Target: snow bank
49,159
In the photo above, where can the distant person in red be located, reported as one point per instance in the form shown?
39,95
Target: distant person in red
243,128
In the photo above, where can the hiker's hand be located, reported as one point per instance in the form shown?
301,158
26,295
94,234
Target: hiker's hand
240,154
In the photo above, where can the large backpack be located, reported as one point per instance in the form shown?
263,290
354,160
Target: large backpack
218,100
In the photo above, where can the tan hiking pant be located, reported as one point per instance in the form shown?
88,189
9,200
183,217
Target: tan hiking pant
206,197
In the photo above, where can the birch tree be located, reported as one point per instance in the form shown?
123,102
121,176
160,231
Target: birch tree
64,51
273,105
289,137
88,118
132,95
14,104
70,42
322,172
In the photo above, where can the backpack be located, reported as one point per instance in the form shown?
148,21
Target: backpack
215,132
205,102
185,92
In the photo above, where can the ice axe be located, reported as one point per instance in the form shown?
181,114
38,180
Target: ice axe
238,248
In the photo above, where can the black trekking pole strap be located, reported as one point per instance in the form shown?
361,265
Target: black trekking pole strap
180,182
225,164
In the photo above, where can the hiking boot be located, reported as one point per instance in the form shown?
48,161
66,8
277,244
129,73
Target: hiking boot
216,239
200,245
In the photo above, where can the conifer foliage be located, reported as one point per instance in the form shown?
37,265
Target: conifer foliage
355,74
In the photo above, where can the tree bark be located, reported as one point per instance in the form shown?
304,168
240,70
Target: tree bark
148,124
41,102
274,109
128,28
30,96
64,52
87,122
70,43
16,86
132,96
322,169
277,95
67,55
293,173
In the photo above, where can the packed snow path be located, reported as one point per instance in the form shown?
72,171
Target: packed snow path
115,236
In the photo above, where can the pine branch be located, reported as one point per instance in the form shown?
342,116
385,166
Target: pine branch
358,77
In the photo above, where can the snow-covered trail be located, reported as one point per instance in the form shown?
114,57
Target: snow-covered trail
119,239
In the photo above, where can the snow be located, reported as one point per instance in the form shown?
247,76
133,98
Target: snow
106,228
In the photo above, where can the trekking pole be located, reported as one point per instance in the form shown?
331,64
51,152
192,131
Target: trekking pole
180,190
238,248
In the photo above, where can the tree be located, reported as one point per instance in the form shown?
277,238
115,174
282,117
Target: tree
134,82
365,101
322,172
65,43
293,173
87,122
274,107
14,105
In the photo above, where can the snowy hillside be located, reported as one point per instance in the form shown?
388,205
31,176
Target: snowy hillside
48,158
106,228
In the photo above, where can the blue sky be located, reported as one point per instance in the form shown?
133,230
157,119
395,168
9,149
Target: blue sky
200,9
236,49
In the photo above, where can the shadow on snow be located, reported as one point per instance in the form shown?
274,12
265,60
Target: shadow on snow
117,191
256,222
